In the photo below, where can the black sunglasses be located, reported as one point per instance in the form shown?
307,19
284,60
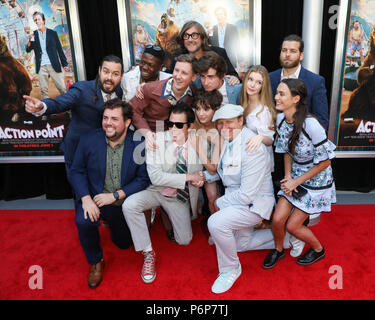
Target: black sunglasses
179,125
151,46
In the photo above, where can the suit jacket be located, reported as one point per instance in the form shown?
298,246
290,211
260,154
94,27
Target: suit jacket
220,51
316,89
153,107
86,114
233,92
247,179
89,166
231,41
161,167
130,82
54,50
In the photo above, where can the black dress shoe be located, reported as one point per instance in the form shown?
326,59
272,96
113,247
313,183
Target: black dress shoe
310,257
272,258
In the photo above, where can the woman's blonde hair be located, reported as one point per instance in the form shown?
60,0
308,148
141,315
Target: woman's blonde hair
265,93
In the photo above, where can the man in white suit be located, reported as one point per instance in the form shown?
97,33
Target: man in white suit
248,197
175,172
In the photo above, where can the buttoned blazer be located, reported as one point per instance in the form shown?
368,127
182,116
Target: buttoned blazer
161,167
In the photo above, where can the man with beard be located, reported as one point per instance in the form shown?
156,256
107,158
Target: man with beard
85,100
106,169
291,56
149,70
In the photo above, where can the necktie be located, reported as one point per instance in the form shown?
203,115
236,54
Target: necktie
182,194
107,97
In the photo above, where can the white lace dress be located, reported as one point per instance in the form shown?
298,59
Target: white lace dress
312,148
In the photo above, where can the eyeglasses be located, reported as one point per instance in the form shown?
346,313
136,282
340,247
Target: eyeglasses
151,46
179,125
194,35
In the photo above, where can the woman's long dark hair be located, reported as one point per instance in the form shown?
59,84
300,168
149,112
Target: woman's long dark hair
297,88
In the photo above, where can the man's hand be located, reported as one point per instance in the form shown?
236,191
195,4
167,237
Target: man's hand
197,178
150,138
103,199
232,80
66,69
32,104
90,208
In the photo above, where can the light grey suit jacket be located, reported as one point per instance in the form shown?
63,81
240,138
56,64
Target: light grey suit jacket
161,167
246,176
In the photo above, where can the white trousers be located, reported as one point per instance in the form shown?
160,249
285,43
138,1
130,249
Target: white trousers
47,71
232,230
178,212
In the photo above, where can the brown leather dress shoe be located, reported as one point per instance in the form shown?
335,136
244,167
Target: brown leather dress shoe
95,274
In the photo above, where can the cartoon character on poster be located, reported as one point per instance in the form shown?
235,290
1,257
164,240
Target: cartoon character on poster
358,97
226,23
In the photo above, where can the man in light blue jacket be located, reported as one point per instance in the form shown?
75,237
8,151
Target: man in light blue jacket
248,197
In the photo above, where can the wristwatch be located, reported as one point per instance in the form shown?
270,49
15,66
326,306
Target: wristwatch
116,195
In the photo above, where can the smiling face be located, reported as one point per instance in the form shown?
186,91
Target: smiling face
114,125
149,67
40,23
254,84
110,74
182,75
204,114
193,45
285,102
179,135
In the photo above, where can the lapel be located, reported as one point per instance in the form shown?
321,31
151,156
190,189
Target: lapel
302,74
101,156
219,165
126,157
36,38
99,103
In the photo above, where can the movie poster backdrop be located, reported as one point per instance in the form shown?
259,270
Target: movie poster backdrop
22,134
225,21
355,123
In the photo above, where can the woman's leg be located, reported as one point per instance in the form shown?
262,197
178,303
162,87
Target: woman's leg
280,216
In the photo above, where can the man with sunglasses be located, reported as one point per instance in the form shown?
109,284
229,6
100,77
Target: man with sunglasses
149,70
193,39
175,172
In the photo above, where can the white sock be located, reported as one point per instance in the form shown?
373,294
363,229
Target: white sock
148,248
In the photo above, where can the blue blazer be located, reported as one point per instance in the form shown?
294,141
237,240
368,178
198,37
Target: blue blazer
317,93
86,114
233,92
54,50
87,174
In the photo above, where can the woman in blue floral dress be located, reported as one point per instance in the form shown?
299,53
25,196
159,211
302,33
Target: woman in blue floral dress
307,164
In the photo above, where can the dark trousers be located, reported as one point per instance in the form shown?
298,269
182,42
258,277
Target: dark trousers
88,231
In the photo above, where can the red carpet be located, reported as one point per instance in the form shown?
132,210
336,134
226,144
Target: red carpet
49,239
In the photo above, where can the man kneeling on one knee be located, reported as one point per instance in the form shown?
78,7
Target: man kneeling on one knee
174,170
248,194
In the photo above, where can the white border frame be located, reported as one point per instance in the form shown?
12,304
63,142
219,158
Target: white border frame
337,81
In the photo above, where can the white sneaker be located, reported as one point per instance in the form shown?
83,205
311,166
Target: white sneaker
297,246
225,280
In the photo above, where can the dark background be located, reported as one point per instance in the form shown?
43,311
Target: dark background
100,36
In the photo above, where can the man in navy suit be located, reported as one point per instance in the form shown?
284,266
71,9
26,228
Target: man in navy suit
85,100
108,167
291,56
49,56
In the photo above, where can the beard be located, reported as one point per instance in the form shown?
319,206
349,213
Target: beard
114,87
290,65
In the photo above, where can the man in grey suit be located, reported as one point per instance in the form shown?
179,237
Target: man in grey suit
248,197
175,172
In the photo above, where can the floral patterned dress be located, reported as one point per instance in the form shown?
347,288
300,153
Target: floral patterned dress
312,148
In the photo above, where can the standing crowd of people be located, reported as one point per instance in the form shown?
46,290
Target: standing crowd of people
198,133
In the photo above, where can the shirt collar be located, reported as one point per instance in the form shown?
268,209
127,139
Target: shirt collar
113,95
167,92
294,75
